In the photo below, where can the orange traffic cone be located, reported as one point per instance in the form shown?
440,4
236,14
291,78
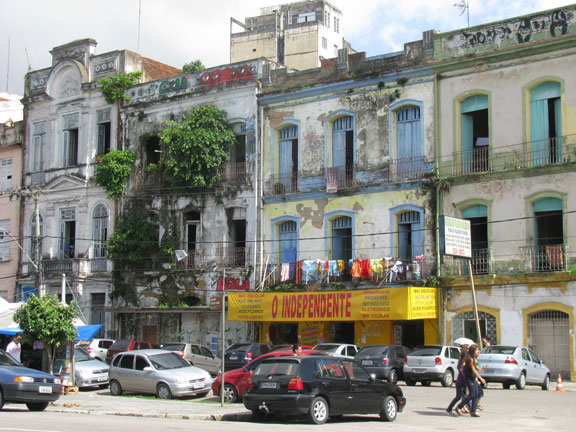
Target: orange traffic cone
559,386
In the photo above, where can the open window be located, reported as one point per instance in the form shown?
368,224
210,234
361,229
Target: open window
546,123
288,162
103,130
343,151
67,247
475,134
549,234
341,238
70,136
478,217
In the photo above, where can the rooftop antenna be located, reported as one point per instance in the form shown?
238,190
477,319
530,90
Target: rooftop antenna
464,6
8,66
139,16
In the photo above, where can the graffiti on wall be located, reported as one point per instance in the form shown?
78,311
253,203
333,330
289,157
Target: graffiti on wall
526,29
220,77
234,284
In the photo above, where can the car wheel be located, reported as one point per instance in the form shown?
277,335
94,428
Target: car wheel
506,386
37,406
426,383
115,388
447,378
319,410
410,382
546,383
389,409
163,391
230,393
393,377
1,400
521,382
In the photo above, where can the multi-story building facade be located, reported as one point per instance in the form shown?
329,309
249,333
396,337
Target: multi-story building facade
345,150
68,126
506,140
297,34
11,138
214,229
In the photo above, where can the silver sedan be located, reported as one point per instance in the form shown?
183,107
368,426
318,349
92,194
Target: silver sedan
158,372
513,365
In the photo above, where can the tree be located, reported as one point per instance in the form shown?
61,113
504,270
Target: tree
194,149
193,66
113,170
113,88
47,320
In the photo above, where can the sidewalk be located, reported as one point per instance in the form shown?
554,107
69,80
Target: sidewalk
103,403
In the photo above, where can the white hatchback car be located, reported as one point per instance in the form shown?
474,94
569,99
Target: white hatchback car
427,363
338,349
98,348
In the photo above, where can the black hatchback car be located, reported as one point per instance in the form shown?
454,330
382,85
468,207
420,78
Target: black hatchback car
240,354
385,361
320,387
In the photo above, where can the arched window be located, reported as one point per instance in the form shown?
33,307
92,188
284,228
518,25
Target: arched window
549,234
475,133
464,325
100,230
409,143
288,241
343,151
342,238
288,159
546,123
410,234
478,217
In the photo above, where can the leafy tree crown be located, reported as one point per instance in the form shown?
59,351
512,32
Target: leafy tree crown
193,66
113,171
113,88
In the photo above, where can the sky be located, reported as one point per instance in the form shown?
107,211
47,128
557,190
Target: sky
179,31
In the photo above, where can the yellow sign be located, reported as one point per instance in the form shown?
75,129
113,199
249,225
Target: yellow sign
398,303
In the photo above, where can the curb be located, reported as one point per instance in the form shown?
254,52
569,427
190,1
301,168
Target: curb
207,416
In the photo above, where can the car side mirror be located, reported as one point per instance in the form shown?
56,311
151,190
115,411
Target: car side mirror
541,362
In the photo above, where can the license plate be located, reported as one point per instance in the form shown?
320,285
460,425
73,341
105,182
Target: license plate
367,362
488,371
233,357
45,389
197,385
418,370
268,385
102,378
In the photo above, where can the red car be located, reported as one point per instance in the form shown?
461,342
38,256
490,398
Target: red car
127,345
235,381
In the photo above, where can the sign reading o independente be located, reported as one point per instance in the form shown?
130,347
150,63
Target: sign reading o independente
399,303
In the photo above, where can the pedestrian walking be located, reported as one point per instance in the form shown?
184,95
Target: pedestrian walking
14,348
460,380
472,377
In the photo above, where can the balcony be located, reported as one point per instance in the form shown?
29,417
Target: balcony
334,179
394,270
75,267
534,259
233,257
234,172
553,151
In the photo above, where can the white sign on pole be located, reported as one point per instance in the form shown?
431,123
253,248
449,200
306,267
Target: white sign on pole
455,237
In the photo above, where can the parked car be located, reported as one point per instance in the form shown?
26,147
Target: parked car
127,345
19,384
197,355
338,349
320,387
385,361
159,372
235,381
88,371
513,365
98,348
427,363
240,354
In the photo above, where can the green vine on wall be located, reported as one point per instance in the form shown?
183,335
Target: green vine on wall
113,170
194,149
113,88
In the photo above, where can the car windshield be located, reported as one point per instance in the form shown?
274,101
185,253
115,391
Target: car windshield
426,351
7,360
166,361
174,347
373,350
326,347
239,347
284,367
80,355
499,349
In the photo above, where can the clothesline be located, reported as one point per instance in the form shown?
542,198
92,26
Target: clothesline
311,271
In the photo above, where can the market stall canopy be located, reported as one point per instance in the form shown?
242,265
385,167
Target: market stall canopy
84,332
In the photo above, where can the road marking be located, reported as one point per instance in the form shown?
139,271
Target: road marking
29,430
